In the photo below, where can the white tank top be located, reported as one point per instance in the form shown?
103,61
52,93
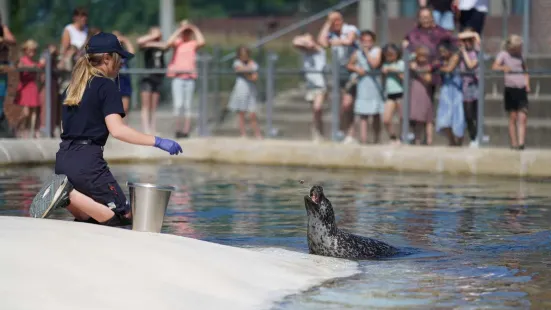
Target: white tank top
77,37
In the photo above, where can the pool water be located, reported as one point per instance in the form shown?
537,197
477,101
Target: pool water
479,242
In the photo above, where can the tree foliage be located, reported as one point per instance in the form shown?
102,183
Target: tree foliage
43,20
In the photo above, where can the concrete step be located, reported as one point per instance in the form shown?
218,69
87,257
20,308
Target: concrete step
298,126
539,84
539,107
298,131
283,118
536,136
494,84
498,135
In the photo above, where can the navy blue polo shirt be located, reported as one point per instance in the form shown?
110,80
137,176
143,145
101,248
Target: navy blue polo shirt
86,121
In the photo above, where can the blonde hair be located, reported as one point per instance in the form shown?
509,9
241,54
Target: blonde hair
422,50
29,44
84,71
512,41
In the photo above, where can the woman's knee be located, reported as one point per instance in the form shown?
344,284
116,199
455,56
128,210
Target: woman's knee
347,101
317,108
522,117
387,118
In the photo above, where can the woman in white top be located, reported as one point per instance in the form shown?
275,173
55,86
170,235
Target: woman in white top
75,33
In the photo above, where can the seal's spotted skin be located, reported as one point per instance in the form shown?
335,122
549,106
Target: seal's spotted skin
324,238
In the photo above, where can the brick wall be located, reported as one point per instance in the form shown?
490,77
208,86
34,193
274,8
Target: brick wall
540,26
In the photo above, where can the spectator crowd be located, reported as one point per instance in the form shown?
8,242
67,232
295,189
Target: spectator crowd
443,48
31,95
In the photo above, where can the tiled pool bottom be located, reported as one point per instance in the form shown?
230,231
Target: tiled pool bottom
484,242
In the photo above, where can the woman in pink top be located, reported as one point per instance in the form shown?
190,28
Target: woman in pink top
517,87
182,69
27,90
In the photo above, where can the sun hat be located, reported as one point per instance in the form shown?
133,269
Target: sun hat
106,43
467,35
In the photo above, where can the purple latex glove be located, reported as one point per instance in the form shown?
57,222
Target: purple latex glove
168,145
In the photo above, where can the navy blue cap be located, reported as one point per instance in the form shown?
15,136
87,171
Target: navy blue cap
106,43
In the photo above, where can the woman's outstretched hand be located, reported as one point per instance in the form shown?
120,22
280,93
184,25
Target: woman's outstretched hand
168,145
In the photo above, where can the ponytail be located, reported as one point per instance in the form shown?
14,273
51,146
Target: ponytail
85,69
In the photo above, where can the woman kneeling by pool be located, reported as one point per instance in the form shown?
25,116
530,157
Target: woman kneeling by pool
93,109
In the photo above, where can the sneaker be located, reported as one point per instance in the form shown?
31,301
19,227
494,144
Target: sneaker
53,195
473,144
316,136
349,140
117,220
340,135
90,221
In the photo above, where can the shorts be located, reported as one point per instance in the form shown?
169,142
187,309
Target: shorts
343,85
473,19
445,19
395,97
182,96
89,174
312,93
151,83
515,99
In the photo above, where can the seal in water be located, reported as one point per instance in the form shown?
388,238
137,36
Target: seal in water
324,238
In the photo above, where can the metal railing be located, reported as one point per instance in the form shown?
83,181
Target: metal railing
294,26
269,74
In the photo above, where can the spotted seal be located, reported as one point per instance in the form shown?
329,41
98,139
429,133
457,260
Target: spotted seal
324,238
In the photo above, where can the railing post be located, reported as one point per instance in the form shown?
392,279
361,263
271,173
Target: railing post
216,82
504,20
407,98
48,93
383,20
481,97
270,91
526,28
335,94
203,108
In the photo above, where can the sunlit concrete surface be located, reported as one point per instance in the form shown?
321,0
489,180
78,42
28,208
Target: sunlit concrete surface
482,161
53,264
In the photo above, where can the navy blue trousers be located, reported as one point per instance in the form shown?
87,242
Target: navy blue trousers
89,174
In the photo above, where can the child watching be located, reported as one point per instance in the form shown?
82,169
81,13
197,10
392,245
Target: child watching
469,62
27,91
243,96
393,70
517,86
421,112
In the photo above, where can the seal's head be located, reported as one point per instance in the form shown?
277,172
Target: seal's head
318,205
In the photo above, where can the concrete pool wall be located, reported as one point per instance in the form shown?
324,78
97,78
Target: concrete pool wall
482,161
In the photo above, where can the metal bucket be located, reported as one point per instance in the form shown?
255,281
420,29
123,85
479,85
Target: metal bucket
149,203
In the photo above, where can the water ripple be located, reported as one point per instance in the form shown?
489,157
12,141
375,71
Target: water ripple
477,242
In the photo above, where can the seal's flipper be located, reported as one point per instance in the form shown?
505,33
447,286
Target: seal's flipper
54,194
